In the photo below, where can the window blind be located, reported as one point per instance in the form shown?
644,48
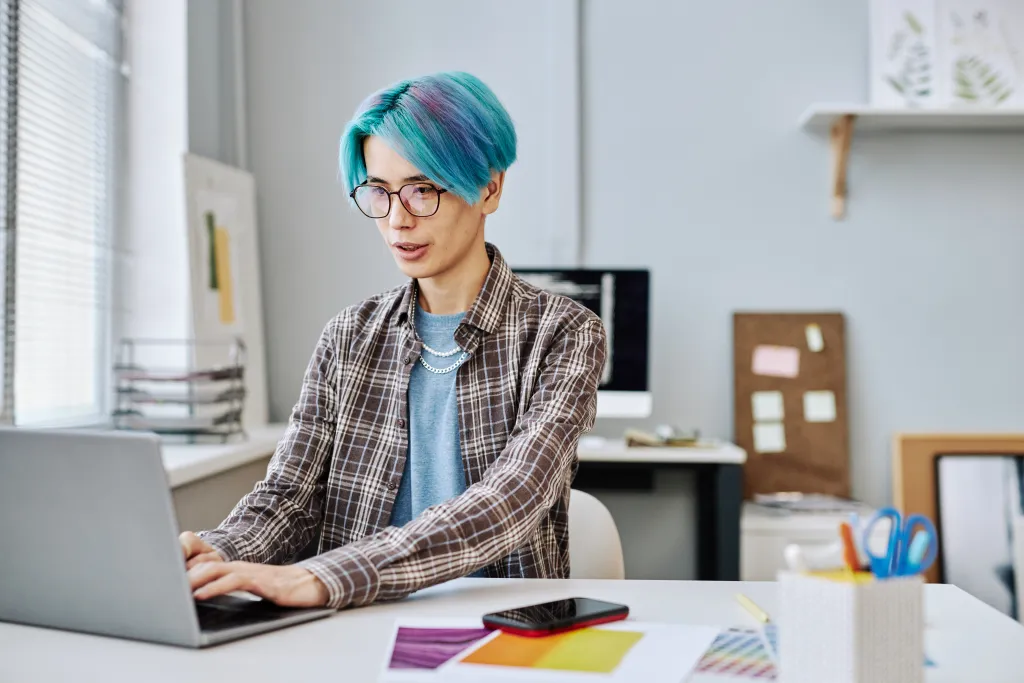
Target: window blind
63,86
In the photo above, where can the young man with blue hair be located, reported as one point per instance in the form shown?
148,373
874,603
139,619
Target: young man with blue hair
436,430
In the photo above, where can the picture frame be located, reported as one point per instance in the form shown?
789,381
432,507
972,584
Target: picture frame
224,272
946,54
903,70
916,487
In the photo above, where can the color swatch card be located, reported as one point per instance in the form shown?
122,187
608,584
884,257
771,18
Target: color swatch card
744,655
737,654
591,650
421,648
622,651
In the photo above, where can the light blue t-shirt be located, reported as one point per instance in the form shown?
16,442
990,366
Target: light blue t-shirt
433,469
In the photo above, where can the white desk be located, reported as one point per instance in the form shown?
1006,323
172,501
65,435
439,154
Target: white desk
188,463
705,453
970,641
719,487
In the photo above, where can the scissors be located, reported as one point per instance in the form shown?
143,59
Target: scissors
910,549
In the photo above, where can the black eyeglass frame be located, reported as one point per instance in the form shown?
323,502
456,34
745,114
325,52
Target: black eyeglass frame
440,191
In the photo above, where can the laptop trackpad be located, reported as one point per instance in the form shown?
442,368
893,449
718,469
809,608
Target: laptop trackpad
227,611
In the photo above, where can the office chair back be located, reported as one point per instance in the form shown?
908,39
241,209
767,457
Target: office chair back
595,550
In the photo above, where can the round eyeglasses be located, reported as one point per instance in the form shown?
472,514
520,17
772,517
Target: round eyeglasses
419,199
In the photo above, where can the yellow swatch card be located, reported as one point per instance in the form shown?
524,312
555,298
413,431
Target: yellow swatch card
587,650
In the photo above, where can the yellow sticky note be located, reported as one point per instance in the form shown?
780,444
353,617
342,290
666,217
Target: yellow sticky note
820,406
767,405
769,437
815,340
225,283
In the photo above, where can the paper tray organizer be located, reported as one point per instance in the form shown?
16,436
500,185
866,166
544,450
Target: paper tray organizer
159,388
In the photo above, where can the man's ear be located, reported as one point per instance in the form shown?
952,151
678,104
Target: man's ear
490,196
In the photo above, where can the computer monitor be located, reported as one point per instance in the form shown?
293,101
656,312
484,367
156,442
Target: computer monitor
621,299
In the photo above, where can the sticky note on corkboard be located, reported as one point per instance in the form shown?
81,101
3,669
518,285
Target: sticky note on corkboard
776,361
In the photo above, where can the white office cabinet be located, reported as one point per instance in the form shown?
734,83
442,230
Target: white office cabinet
764,535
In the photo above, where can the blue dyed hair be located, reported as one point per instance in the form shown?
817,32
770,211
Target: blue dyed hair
450,126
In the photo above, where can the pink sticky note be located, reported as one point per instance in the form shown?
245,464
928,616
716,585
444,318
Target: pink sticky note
777,361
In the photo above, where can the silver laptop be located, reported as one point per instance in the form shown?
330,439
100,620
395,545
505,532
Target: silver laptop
89,542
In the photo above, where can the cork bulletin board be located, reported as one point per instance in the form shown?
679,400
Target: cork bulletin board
790,413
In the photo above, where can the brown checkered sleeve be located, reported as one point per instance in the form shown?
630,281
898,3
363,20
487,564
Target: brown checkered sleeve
283,513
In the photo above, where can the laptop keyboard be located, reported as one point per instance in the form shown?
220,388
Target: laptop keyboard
224,612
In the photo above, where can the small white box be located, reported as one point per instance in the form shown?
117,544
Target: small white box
844,632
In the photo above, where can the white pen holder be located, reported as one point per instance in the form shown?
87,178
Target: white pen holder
836,631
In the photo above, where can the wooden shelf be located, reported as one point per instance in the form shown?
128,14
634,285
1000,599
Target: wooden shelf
818,118
838,121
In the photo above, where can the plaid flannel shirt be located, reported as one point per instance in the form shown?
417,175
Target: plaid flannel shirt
526,393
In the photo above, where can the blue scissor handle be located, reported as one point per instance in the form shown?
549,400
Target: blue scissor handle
884,565
914,526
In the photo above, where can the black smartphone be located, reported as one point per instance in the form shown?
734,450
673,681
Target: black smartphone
555,617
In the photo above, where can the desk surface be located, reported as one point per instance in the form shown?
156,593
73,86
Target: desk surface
969,640
188,463
710,453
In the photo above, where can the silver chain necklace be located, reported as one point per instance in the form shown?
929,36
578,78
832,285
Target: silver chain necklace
444,371
447,354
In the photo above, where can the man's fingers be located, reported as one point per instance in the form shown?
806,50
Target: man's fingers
226,584
204,557
191,544
288,586
204,573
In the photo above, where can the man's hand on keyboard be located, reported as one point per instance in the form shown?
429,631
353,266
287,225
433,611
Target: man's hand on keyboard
197,550
287,585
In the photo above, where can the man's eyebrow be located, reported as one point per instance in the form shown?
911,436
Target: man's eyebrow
411,179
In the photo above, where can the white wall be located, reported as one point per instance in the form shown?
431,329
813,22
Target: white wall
309,64
703,106
213,130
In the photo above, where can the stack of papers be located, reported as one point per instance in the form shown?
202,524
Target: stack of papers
809,502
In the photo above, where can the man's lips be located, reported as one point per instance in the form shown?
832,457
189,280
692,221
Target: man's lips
409,251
